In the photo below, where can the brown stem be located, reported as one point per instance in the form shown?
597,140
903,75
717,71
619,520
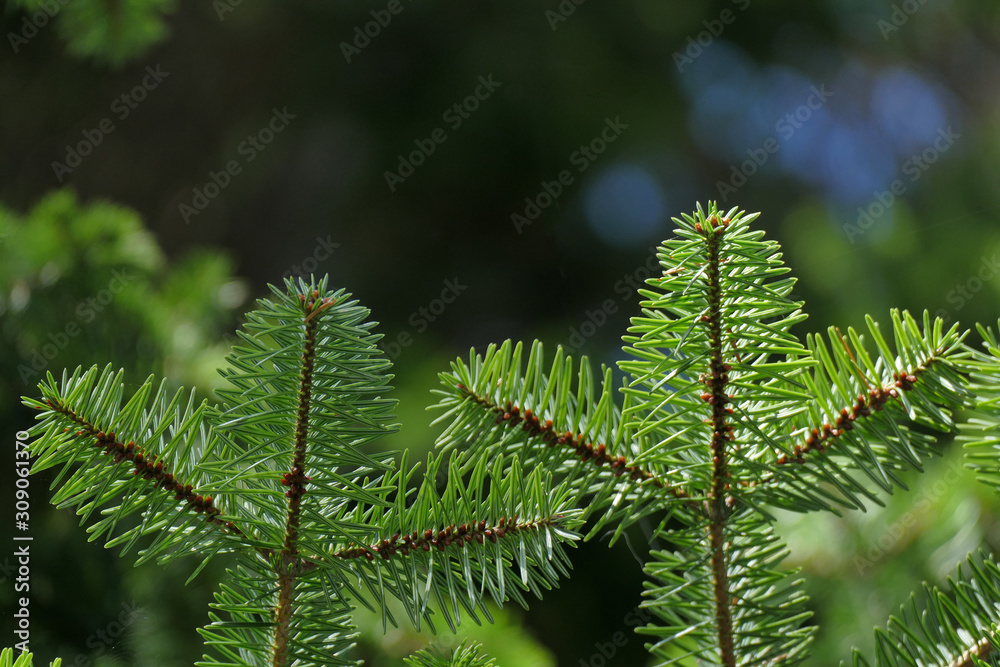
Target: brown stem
983,649
865,406
512,416
441,539
283,613
149,467
296,481
722,433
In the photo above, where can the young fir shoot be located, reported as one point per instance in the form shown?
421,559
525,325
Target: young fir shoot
282,475
724,415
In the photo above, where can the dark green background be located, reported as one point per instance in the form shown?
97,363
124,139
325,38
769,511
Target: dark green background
690,123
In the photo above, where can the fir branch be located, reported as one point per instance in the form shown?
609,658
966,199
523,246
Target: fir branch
718,391
83,426
766,601
951,627
296,480
443,538
466,654
857,423
480,393
146,466
983,649
494,517
718,509
512,416
866,406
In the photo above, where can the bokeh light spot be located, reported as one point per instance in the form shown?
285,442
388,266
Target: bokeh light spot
624,206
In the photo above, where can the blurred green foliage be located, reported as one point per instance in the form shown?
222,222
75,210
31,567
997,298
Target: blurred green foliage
82,284
88,284
112,33
505,640
861,567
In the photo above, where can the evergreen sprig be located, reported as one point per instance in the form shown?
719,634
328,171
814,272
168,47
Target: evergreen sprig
7,659
723,415
464,655
957,627
282,473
